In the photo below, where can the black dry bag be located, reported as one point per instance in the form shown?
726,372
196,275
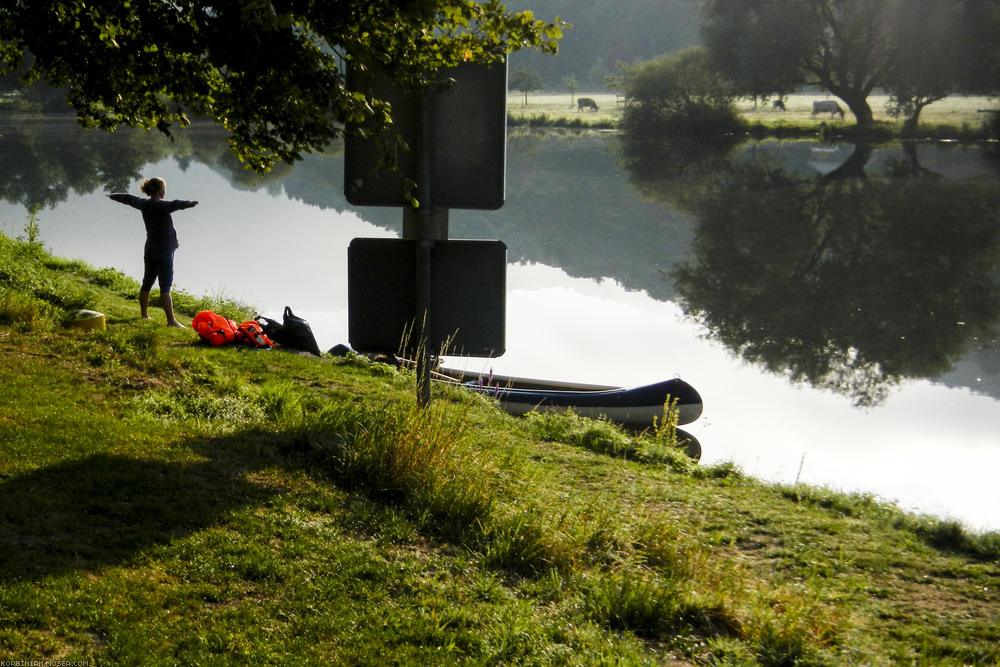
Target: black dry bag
294,332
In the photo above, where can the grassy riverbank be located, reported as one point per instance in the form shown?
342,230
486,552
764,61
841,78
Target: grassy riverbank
165,502
956,117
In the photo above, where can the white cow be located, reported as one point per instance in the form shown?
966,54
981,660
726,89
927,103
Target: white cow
824,106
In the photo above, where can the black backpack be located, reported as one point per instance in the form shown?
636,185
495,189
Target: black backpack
294,332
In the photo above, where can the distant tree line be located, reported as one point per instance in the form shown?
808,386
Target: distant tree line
605,33
38,97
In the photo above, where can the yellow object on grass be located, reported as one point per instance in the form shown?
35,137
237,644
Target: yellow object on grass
87,319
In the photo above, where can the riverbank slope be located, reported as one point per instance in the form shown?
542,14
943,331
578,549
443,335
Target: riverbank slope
166,501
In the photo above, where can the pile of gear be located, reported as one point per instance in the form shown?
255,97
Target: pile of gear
262,332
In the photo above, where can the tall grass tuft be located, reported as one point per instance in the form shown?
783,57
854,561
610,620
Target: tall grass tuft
112,280
190,305
594,434
225,413
646,606
787,626
520,543
950,535
420,458
282,403
690,591
138,347
944,534
23,268
22,311
659,444
665,548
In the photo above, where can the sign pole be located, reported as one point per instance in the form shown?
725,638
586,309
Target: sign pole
425,247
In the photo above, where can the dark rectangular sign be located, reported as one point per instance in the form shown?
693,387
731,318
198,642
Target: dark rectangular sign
468,296
468,142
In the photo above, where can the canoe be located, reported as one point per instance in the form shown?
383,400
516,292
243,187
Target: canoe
689,444
635,407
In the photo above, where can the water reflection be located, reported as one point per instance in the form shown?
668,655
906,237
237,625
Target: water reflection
850,279
45,159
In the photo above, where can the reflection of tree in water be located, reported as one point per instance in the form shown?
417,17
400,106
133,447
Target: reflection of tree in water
568,203
44,158
847,281
41,162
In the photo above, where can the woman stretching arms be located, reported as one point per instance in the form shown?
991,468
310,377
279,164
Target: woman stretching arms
161,242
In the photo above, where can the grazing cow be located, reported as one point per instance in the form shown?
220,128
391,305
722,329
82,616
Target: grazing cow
778,104
586,103
824,106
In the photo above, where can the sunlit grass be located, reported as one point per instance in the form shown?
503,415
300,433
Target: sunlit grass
37,290
166,502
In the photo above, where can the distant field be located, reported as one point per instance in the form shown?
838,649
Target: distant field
557,105
951,111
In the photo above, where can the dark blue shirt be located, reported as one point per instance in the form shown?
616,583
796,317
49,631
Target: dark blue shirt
160,232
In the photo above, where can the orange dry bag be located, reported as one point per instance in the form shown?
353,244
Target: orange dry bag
214,328
252,334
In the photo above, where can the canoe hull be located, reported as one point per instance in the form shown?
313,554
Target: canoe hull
635,407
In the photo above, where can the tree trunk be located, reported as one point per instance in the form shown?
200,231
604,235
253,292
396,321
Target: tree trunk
910,124
861,109
856,100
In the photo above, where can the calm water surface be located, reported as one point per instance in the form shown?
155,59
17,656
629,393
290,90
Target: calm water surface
836,306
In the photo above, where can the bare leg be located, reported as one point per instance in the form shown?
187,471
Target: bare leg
168,308
144,305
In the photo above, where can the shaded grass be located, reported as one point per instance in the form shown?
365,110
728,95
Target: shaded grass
544,120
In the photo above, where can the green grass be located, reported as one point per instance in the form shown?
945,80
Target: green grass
167,502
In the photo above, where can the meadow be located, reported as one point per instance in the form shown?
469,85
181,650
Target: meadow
957,111
163,501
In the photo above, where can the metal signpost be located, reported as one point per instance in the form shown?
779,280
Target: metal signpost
423,293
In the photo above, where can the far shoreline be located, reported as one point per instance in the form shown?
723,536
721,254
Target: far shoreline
959,118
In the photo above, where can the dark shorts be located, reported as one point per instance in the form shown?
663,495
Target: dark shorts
159,267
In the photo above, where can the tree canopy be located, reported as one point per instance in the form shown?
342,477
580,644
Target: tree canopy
606,32
272,72
678,94
841,44
919,50
924,65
